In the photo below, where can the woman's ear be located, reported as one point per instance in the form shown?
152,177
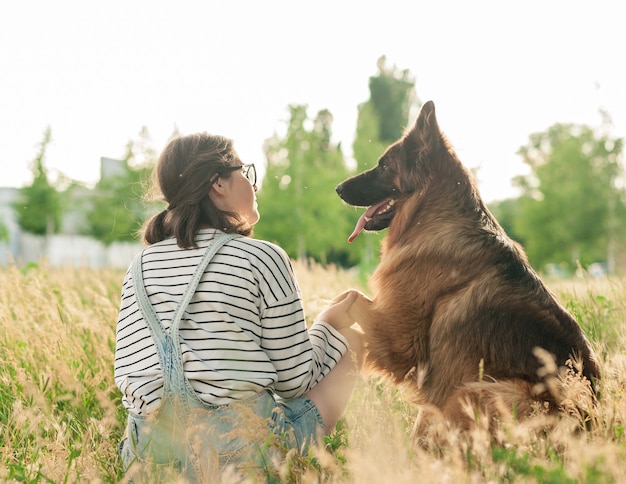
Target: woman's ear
219,194
217,188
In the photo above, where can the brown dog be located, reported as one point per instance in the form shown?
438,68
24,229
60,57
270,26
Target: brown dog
459,316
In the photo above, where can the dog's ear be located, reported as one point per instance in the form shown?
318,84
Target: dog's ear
425,136
425,132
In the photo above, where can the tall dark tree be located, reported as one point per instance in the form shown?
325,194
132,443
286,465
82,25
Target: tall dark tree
392,95
298,205
572,197
38,206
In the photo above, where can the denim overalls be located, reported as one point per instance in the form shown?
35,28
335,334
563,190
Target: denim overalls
189,438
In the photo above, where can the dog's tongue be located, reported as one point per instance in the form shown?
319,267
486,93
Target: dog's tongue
358,228
360,225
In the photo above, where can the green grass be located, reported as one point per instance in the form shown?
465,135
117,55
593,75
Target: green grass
61,416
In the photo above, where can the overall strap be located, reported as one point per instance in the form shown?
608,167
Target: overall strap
216,244
168,343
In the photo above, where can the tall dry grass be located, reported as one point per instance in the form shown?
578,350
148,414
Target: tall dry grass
59,408
61,416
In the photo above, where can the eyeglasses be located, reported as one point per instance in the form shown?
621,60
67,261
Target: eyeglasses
249,171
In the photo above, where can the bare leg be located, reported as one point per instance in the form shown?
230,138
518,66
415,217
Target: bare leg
332,394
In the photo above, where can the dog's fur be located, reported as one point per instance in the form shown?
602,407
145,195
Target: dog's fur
458,316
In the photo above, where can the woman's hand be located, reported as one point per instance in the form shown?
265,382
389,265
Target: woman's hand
338,313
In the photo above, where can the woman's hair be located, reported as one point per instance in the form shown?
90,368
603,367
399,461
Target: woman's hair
182,177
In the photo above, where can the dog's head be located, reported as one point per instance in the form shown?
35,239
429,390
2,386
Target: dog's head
403,169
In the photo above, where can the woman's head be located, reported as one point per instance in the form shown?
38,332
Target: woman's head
196,176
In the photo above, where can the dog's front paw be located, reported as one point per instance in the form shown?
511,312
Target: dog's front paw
360,310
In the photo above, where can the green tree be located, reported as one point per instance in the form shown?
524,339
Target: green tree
38,205
571,198
392,95
297,201
381,121
367,146
508,213
117,210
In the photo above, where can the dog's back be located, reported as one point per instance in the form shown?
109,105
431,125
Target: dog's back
456,302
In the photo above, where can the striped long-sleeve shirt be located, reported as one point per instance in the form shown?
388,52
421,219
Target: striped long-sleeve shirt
244,329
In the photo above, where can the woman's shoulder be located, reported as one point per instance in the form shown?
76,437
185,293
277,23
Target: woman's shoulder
272,267
261,249
260,243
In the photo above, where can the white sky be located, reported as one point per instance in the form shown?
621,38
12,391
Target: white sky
97,72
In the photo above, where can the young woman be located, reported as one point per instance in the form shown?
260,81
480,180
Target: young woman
213,356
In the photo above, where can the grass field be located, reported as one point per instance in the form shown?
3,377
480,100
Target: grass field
61,415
